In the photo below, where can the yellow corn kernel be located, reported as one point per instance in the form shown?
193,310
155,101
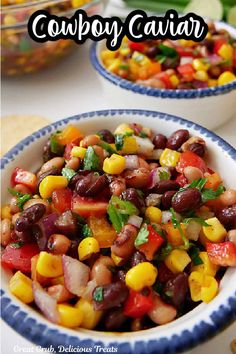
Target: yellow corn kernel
226,51
153,214
125,51
187,43
201,75
108,55
117,260
90,316
174,80
87,247
209,288
21,286
198,64
6,212
226,77
50,183
130,145
77,3
177,260
49,265
70,316
9,20
114,165
78,151
141,275
169,158
207,267
215,232
115,65
141,59
123,129
195,281
208,36
212,83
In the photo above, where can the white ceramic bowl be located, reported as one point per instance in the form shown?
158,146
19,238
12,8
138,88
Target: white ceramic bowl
189,330
209,107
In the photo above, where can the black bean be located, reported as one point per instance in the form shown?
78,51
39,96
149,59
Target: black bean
176,139
40,237
187,200
121,275
77,177
151,52
132,195
166,199
21,236
173,172
159,141
209,43
198,149
171,63
227,217
106,135
113,295
52,172
30,216
114,319
47,153
164,186
67,223
73,251
177,288
91,185
137,258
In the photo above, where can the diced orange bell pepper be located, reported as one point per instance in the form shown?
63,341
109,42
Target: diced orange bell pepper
70,134
213,181
173,235
102,231
154,68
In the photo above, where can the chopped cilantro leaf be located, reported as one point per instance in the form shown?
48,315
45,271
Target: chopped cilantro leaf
124,67
21,198
164,175
196,218
119,142
124,206
117,219
55,146
119,212
161,58
91,160
209,194
16,244
198,183
167,51
142,236
98,294
194,255
177,225
143,135
164,252
86,231
107,147
68,173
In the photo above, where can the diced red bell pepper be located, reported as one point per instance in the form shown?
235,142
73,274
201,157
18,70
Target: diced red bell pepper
218,44
88,206
187,71
222,254
138,304
139,47
61,199
234,58
19,258
165,79
187,51
189,158
24,177
67,152
153,244
181,180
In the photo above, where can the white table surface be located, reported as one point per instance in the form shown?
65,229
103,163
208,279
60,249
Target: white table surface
68,89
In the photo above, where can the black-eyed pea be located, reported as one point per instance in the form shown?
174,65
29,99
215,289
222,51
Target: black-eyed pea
15,217
55,162
192,173
228,198
37,200
59,244
13,205
6,227
22,189
73,163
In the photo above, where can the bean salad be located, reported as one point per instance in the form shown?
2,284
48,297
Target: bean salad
118,231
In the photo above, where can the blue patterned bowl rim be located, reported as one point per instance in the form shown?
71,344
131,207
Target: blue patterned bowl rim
163,93
45,335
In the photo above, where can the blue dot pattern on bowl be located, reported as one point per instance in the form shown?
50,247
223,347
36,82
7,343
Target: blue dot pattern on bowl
45,336
149,91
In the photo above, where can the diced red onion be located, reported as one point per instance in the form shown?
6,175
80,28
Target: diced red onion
198,84
186,60
167,216
156,154
145,146
88,291
76,275
46,303
135,221
47,227
155,176
214,59
153,199
232,238
193,230
131,162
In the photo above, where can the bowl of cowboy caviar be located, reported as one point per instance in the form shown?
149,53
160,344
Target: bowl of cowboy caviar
116,222
183,77
19,53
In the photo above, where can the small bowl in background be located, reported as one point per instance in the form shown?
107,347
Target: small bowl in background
19,53
209,107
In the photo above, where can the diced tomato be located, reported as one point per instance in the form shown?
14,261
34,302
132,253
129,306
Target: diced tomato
88,206
218,44
222,254
153,244
187,71
67,152
138,304
187,51
139,47
164,274
181,180
189,158
61,199
19,258
24,177
165,79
